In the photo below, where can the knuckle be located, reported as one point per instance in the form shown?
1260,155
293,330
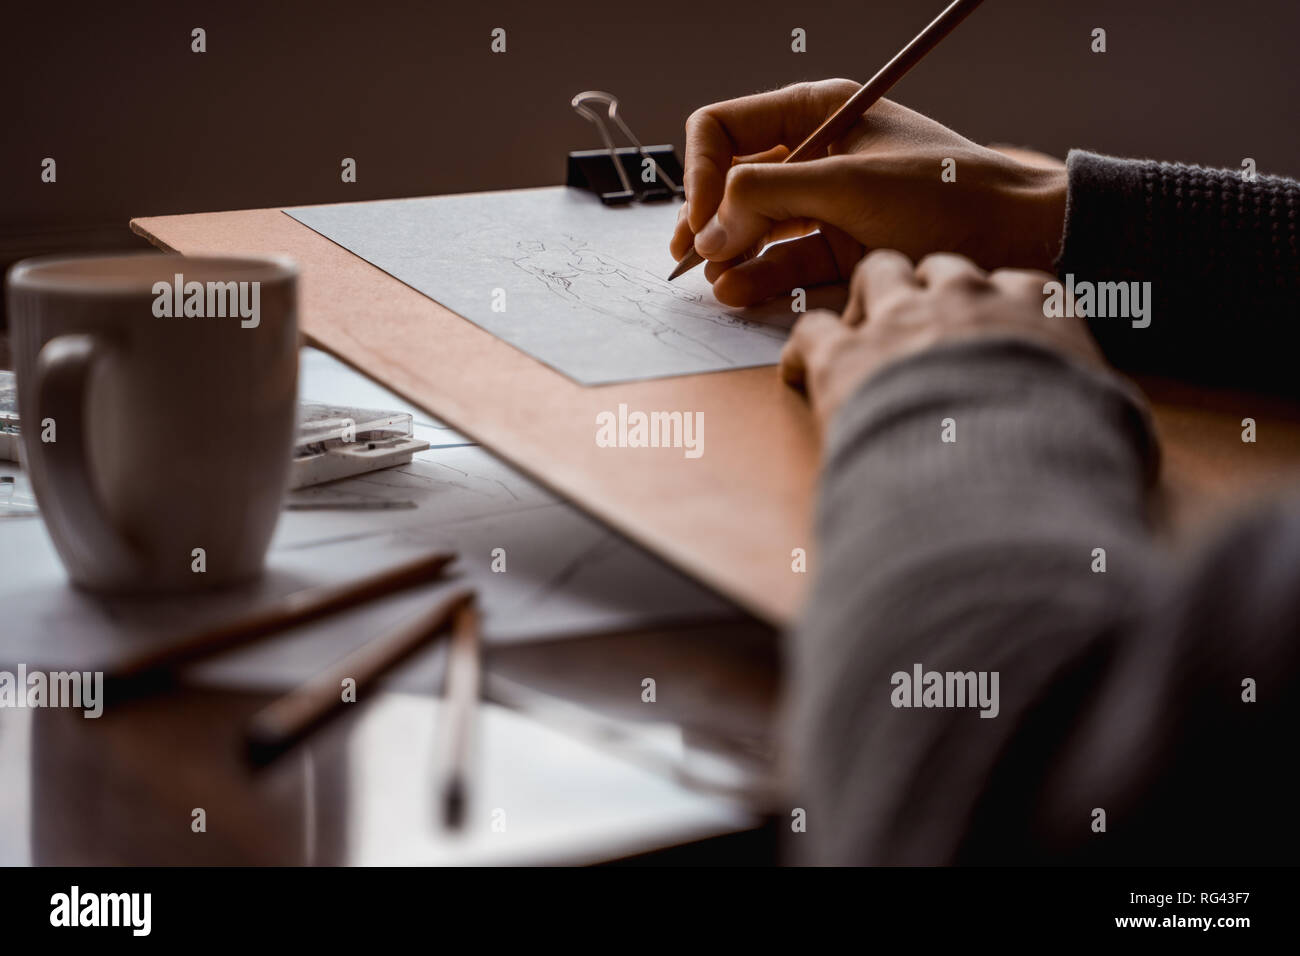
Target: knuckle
743,179
951,269
839,85
805,324
931,260
698,118
826,318
828,360
882,255
1022,279
813,327
799,332
819,362
859,280
806,90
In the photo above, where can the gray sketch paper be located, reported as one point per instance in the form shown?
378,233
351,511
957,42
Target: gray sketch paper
577,285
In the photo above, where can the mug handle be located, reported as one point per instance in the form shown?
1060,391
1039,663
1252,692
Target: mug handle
63,370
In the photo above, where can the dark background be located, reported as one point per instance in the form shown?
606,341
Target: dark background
139,125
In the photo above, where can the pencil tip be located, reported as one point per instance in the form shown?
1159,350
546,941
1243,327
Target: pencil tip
453,804
680,268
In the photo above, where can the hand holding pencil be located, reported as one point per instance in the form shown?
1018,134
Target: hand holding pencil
863,173
880,185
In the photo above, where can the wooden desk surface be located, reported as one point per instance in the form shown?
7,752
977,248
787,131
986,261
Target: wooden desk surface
729,518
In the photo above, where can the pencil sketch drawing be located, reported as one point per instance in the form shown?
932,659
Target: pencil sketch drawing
630,296
575,284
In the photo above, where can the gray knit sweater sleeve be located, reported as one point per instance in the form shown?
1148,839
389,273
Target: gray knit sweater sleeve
972,554
1019,549
1221,253
982,516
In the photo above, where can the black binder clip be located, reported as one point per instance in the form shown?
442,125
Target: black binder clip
621,175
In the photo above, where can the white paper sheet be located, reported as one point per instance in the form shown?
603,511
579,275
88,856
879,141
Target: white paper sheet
583,286
552,798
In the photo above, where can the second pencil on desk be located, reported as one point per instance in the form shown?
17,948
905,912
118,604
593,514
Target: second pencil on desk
459,705
293,716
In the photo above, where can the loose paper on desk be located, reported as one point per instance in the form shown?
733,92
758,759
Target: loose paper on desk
577,285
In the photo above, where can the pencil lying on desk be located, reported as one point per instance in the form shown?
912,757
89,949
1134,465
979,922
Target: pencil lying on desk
839,122
291,610
459,703
291,717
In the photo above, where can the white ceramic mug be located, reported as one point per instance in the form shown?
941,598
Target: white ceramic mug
157,403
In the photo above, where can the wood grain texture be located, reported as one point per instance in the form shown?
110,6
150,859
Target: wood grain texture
729,518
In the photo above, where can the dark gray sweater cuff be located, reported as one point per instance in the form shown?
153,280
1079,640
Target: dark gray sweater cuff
1221,254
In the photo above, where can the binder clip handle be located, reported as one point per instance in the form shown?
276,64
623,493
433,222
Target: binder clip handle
612,171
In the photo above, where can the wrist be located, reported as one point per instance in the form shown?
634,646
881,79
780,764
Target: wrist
1045,213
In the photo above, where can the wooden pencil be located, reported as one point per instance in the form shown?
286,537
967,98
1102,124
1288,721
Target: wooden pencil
459,703
290,718
291,610
838,123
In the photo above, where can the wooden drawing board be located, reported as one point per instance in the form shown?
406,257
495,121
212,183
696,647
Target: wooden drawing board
730,518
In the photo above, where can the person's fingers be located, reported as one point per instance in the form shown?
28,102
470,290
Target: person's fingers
879,279
683,239
792,229
776,154
713,270
942,268
812,335
1025,287
1021,283
760,195
784,266
847,250
717,134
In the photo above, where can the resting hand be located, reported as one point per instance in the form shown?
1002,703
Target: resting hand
895,311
